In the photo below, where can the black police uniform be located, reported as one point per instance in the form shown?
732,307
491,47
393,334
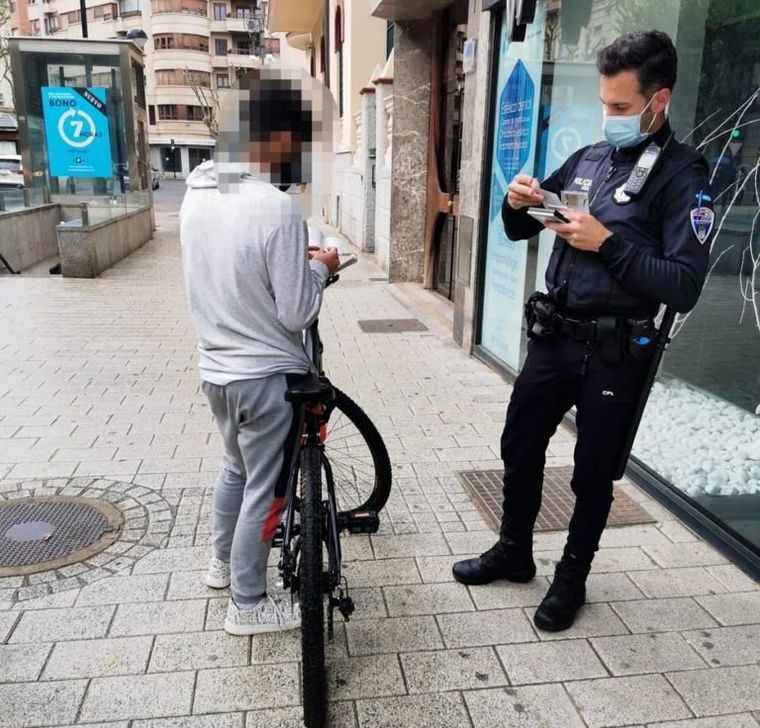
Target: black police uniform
654,256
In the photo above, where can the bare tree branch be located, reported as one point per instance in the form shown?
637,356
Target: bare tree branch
208,98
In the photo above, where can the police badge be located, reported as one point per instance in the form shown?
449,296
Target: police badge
620,196
702,219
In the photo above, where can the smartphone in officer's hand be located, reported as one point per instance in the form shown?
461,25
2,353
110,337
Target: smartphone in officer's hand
542,214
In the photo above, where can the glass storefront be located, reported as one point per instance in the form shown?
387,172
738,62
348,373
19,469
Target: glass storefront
700,435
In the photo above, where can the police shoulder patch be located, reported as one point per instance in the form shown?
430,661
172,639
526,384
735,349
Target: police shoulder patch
702,221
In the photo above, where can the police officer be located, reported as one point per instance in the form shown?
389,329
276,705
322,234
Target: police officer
591,336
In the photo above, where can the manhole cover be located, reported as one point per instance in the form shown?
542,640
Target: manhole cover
391,326
41,533
485,490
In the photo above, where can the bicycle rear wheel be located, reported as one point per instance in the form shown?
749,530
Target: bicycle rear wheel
311,591
358,456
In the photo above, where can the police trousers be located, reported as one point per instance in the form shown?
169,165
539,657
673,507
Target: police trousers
560,373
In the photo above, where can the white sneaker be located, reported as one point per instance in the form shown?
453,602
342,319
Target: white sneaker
267,615
218,576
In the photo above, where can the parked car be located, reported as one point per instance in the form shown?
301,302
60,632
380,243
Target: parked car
11,171
155,178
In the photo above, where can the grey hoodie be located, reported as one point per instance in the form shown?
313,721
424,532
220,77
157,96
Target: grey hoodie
250,285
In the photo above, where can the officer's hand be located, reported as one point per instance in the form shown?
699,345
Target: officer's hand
523,191
583,231
329,257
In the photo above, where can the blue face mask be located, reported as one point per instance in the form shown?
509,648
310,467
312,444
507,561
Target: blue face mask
625,131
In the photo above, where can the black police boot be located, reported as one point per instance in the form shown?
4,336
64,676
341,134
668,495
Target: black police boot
566,595
505,560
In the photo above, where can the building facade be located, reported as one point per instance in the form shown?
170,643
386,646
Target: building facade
347,49
494,88
194,50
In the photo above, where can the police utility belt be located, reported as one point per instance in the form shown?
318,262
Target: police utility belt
614,336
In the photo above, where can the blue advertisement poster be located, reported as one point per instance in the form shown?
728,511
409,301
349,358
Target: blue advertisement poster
76,131
514,152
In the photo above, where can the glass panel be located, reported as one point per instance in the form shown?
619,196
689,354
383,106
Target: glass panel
514,151
701,430
77,71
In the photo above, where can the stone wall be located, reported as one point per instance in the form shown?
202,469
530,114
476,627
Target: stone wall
28,236
411,109
475,121
87,252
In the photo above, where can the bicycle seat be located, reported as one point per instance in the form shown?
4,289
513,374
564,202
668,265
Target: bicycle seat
310,390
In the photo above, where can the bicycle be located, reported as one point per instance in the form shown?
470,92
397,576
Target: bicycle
338,440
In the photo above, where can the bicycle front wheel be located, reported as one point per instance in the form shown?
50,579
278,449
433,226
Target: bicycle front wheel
358,456
311,592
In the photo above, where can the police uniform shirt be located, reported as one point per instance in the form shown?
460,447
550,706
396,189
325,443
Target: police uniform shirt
660,246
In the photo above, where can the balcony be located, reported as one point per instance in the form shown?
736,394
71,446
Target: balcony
405,10
288,16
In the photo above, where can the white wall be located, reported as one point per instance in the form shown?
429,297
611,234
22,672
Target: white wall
347,183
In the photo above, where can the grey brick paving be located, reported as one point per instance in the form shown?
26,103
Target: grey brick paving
52,625
529,706
22,663
159,617
246,688
98,658
40,704
138,696
719,690
460,669
663,615
547,662
621,701
116,396
443,710
636,654
197,650
727,645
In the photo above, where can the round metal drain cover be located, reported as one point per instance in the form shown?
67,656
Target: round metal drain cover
48,532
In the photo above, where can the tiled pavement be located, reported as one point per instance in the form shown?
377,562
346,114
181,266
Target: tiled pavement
98,381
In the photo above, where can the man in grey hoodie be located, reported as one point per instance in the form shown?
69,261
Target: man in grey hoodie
253,287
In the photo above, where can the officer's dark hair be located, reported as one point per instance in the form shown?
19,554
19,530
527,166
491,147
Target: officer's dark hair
649,53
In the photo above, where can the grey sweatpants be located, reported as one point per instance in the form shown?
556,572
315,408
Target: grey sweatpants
259,435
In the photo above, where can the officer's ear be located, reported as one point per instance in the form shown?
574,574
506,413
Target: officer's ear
660,100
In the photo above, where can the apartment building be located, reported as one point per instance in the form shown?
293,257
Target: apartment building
195,49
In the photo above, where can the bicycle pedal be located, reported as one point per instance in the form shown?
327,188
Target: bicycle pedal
361,522
279,536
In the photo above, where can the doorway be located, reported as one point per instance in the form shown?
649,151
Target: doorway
445,153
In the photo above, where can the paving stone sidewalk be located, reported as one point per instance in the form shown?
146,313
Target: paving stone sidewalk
99,391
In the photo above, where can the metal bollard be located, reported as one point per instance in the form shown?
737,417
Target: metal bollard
2,202
26,197
85,214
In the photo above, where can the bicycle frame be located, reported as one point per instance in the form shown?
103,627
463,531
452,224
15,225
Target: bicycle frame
312,425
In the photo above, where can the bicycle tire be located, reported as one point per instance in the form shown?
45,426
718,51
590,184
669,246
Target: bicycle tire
367,496
311,591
